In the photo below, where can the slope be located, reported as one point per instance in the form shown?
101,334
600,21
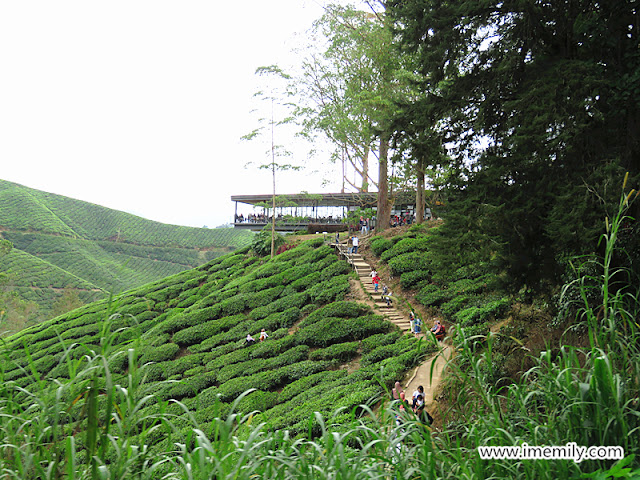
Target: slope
110,250
322,352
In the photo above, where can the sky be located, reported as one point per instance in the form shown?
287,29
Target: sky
139,105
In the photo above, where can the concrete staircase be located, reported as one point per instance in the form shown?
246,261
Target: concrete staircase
363,270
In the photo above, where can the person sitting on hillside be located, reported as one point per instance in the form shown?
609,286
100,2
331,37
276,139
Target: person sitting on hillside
419,392
423,416
250,340
438,330
263,335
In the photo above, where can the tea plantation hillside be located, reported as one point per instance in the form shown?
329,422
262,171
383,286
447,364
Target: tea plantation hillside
189,330
91,249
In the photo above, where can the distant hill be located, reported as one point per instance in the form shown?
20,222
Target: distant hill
63,243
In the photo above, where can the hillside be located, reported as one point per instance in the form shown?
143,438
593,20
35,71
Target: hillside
90,250
322,352
166,365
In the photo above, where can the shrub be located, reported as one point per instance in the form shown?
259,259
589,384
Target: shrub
413,278
374,341
337,309
407,262
383,352
332,291
306,281
257,401
341,352
304,384
379,245
474,315
450,308
199,333
298,300
337,330
315,256
336,268
168,351
183,364
433,295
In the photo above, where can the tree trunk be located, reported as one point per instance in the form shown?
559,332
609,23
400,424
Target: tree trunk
384,201
365,170
420,190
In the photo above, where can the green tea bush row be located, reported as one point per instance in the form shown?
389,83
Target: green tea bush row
298,300
379,244
408,262
406,245
306,281
263,297
161,353
339,352
338,330
255,365
233,335
414,278
489,311
340,309
305,384
379,339
332,291
269,380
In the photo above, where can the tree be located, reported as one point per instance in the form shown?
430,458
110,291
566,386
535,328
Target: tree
276,76
352,87
538,103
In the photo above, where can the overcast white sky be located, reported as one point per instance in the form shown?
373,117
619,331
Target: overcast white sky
139,105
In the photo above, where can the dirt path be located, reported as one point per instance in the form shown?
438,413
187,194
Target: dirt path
429,374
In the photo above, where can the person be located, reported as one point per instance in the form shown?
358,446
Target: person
337,237
355,242
350,245
263,335
387,296
438,330
376,282
373,273
419,392
363,226
412,322
423,416
250,340
417,326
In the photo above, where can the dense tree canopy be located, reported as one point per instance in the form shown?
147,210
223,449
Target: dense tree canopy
539,104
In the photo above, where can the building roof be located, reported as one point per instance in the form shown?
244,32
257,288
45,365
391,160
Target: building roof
354,199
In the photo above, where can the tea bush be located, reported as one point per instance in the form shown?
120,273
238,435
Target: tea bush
379,245
408,262
340,352
168,351
338,330
414,278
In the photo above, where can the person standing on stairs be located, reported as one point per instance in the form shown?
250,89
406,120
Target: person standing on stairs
376,281
356,242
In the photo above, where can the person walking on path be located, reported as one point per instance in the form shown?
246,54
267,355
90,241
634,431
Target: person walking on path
355,242
376,282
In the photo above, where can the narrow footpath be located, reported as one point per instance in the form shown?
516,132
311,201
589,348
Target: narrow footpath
428,374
